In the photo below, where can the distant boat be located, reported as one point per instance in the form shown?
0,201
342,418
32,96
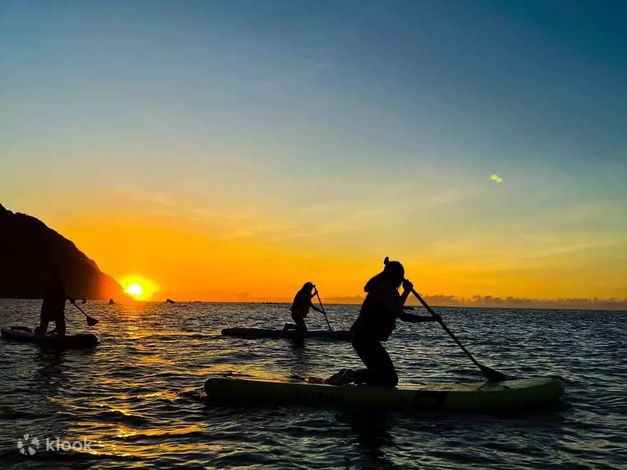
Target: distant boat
111,302
169,301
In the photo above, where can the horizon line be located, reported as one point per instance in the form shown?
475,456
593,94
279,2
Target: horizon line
555,304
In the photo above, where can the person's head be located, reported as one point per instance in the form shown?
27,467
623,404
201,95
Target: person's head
307,286
394,271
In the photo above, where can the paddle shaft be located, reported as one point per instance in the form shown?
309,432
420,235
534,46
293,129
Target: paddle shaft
450,333
82,311
89,319
323,312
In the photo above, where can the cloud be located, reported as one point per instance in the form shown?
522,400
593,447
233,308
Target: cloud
508,302
523,302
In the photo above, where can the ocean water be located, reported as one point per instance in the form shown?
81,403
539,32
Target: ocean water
137,398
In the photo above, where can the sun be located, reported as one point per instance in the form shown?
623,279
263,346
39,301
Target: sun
135,290
138,287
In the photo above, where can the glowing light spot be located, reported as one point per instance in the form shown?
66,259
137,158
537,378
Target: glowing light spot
138,287
496,178
135,290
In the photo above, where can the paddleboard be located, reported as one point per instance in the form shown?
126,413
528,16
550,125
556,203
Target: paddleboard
490,397
24,334
257,333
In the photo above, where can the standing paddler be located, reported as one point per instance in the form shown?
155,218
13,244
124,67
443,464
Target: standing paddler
376,321
300,307
53,306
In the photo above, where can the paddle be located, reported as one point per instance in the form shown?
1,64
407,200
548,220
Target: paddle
323,312
91,321
491,374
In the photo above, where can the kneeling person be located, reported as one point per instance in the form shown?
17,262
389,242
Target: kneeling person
377,319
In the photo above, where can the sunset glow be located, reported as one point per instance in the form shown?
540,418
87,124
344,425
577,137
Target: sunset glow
138,287
135,290
406,217
239,162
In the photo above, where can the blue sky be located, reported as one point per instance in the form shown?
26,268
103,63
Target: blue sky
375,125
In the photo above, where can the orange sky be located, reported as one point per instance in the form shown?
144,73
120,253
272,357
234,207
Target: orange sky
191,255
239,160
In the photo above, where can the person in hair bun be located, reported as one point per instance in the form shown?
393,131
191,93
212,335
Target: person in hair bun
376,321
300,307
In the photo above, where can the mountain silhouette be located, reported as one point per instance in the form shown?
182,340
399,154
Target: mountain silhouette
28,249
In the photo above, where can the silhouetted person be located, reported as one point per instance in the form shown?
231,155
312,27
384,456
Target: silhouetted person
53,306
300,307
84,301
376,321
111,302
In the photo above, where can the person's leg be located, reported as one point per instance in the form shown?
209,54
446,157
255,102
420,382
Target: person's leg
384,373
362,347
343,377
347,376
300,324
60,326
380,369
42,328
43,325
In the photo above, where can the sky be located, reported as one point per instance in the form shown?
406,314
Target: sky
233,150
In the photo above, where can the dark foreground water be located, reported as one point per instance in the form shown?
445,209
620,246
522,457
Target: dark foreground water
138,396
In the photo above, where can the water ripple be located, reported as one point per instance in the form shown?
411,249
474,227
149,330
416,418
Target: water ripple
138,396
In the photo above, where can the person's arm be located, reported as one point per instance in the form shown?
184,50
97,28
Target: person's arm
391,301
407,287
311,305
315,308
404,316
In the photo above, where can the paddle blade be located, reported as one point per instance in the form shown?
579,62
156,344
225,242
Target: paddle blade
314,380
493,375
91,321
